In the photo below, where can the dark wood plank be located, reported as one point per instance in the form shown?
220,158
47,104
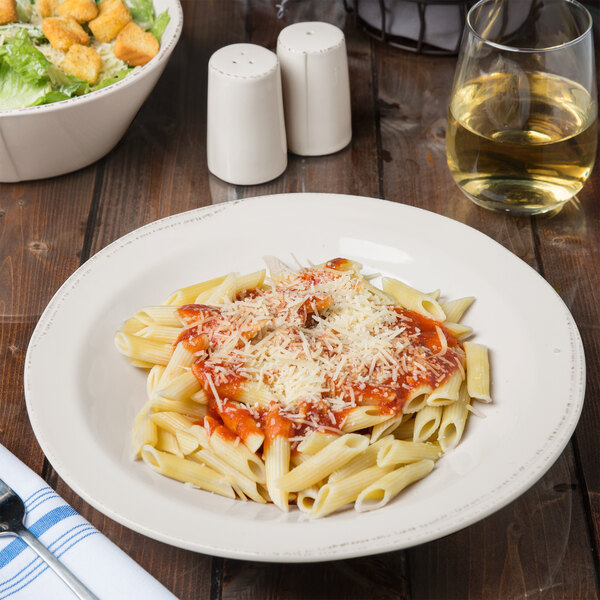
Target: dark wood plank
570,256
158,169
415,171
413,94
533,548
353,170
375,577
42,229
569,247
544,544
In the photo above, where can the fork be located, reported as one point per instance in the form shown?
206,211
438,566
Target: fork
12,513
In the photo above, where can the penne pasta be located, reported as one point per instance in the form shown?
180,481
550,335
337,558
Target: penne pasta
167,442
200,397
386,427
417,399
362,417
455,309
316,441
406,429
132,326
310,387
324,462
145,432
141,364
427,422
189,409
277,464
306,499
458,330
159,333
159,315
478,372
153,378
412,299
344,491
253,393
171,421
180,387
221,293
454,419
188,295
406,452
251,281
137,348
181,358
363,461
447,393
228,447
378,494
244,486
188,443
187,471
238,419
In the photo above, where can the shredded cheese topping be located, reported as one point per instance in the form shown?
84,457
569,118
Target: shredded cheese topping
320,338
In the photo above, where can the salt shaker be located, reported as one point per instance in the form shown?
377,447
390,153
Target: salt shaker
316,88
246,140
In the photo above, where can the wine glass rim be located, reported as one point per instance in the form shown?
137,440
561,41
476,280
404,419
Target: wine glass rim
506,48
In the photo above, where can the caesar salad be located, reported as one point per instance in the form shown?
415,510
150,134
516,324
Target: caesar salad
52,50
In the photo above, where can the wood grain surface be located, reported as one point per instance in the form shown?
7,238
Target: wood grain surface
544,544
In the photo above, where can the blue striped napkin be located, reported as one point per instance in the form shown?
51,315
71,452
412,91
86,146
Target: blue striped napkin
94,559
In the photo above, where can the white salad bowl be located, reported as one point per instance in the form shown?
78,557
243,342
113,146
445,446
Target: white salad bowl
52,139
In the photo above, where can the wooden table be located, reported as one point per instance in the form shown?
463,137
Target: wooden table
545,544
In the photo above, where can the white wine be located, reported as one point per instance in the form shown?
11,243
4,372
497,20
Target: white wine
523,142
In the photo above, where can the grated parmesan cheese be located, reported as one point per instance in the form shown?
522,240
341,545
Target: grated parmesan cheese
321,338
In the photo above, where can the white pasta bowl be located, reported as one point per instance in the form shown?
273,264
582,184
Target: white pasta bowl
53,139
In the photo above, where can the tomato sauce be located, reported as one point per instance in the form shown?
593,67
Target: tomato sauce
238,418
190,313
339,264
215,427
277,425
207,324
225,379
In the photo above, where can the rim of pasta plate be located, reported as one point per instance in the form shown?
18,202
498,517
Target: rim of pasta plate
82,396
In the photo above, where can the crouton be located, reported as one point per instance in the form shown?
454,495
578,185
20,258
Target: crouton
81,10
112,17
83,62
8,11
63,32
135,46
46,8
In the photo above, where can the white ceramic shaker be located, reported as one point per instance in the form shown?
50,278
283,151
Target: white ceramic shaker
316,88
246,140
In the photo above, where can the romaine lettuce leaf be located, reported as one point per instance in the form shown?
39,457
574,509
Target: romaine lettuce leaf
49,98
28,78
69,84
24,10
108,80
142,12
160,24
10,30
17,92
24,58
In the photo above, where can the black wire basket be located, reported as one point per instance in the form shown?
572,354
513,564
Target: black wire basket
425,26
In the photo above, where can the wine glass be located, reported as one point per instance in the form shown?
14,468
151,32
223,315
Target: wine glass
522,122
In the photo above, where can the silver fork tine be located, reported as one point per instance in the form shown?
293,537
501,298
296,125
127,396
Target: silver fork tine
12,512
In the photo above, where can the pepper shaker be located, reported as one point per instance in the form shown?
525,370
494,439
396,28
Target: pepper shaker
316,88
